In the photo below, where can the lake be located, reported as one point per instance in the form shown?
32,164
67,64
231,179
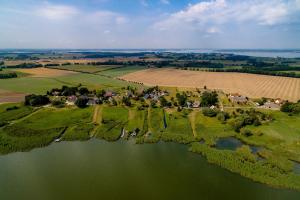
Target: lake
123,170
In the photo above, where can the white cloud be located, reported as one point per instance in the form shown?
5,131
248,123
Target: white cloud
213,30
217,12
56,12
105,17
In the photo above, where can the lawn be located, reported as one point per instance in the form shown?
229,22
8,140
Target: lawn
210,129
178,127
156,124
137,119
114,119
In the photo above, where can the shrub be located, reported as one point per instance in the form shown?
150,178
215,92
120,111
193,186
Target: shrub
36,100
209,112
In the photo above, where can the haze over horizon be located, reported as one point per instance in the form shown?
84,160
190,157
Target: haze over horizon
130,24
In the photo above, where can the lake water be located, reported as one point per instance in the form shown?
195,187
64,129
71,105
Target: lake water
123,170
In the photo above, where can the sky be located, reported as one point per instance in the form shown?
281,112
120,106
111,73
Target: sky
100,24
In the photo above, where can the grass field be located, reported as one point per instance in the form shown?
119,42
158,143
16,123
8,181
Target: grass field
34,130
44,72
137,119
251,85
114,119
121,71
85,68
41,85
210,129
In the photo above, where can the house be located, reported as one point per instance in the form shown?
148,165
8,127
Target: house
237,98
146,96
56,93
71,100
278,101
196,104
271,105
109,94
91,102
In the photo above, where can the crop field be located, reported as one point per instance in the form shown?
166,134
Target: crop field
45,72
115,72
86,68
251,85
11,97
37,85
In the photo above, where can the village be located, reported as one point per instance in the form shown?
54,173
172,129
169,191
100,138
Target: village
156,96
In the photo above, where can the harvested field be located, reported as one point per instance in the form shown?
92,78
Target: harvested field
45,72
11,97
251,85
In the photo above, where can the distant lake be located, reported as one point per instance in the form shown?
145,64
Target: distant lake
123,170
285,53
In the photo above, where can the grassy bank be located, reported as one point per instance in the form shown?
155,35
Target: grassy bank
245,163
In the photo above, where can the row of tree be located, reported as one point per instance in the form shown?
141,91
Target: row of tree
8,75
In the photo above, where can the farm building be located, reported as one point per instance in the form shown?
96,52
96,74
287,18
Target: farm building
271,105
71,100
237,98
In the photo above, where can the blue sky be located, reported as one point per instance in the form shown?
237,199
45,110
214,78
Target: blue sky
150,24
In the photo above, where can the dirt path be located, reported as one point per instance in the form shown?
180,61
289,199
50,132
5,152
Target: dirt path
192,118
97,119
96,113
148,120
130,114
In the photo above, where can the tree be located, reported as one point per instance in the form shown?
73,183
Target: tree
83,91
126,101
163,102
69,91
181,98
81,101
36,100
100,93
209,99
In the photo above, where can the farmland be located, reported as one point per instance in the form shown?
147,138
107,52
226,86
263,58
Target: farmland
120,107
44,72
250,85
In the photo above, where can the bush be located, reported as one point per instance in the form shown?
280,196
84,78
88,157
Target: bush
246,132
223,116
209,112
58,103
8,75
291,107
12,108
36,100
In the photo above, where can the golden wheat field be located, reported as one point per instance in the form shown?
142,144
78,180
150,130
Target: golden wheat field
45,72
251,85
